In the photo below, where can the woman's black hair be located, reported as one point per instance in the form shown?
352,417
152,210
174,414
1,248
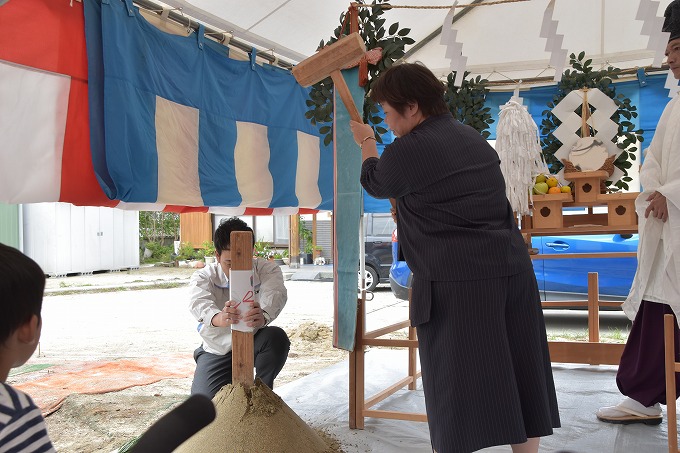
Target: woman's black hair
410,83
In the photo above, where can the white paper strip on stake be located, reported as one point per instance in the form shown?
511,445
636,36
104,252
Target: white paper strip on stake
553,43
671,84
446,27
652,26
241,290
454,50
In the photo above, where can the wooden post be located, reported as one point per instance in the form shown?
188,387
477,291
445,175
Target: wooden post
593,308
669,340
314,229
585,114
294,242
242,349
356,369
412,351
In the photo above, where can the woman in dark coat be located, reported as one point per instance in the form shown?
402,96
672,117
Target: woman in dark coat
475,303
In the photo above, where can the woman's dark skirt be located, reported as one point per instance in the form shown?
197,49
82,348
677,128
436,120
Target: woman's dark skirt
485,363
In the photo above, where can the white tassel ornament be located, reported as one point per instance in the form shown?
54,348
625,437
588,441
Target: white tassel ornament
518,147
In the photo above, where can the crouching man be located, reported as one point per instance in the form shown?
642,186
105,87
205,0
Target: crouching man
215,313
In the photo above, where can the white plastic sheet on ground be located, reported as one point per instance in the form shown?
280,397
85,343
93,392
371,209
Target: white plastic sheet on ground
321,399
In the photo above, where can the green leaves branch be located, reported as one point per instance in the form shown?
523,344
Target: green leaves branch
466,102
372,29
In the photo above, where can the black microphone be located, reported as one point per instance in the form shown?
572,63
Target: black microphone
178,425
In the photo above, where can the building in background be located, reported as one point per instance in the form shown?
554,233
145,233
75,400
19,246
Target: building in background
66,239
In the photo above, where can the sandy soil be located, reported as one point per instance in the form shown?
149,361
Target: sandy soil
104,423
100,326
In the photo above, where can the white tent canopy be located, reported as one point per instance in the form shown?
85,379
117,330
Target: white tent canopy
500,41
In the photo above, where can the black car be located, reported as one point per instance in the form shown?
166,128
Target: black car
378,230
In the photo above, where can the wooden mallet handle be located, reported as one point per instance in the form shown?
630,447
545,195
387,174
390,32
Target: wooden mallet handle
343,90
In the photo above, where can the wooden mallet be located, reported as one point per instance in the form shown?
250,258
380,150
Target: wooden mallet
343,53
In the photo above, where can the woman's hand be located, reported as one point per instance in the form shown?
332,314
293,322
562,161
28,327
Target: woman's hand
360,131
657,207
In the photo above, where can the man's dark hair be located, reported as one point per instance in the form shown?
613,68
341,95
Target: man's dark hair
223,233
22,283
410,83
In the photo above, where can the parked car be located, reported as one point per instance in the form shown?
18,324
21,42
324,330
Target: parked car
378,254
565,278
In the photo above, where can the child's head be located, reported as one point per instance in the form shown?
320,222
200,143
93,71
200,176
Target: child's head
22,283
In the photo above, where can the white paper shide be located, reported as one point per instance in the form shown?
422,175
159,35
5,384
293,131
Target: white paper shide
241,290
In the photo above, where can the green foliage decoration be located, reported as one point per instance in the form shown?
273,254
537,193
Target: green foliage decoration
372,29
584,76
466,102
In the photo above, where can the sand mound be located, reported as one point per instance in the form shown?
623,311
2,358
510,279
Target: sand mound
254,419
311,331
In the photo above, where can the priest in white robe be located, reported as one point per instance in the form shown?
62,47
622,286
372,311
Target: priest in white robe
656,288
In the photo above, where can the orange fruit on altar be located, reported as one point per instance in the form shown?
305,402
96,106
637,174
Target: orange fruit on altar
554,190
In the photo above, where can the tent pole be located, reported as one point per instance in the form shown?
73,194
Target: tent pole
186,22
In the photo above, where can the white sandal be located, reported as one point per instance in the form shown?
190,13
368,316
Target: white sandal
630,411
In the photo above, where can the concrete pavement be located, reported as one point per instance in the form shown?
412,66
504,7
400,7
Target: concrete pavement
150,276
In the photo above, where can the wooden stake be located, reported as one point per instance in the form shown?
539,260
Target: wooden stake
671,368
294,242
585,114
242,349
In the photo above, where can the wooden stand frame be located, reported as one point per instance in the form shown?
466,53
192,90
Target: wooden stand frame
591,352
359,405
672,367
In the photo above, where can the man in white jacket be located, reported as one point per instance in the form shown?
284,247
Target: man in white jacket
655,290
215,313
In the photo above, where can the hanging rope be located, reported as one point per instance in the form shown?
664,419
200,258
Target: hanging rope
389,6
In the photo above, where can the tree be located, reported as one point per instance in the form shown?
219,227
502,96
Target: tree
156,225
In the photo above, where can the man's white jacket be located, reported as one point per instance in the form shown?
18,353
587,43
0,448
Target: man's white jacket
209,292
658,269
